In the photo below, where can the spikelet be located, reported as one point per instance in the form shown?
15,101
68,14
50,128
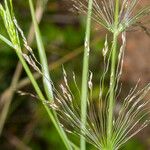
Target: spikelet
15,32
9,25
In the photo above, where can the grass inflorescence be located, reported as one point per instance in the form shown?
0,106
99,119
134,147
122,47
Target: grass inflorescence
100,124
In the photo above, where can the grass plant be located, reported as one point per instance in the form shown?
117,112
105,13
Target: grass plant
101,126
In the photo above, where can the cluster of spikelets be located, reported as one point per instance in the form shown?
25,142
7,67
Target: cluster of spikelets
15,34
103,12
129,118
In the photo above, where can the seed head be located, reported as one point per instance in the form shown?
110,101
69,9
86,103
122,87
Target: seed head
104,12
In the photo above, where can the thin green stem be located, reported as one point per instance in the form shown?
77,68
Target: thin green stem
84,90
42,55
112,88
5,40
112,74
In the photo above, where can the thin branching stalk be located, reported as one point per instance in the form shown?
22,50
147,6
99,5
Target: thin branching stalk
40,95
113,72
34,83
84,90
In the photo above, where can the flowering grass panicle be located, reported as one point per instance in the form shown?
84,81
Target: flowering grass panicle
103,127
104,11
129,119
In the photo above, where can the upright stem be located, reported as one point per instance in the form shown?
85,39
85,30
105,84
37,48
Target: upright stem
113,71
84,90
42,55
